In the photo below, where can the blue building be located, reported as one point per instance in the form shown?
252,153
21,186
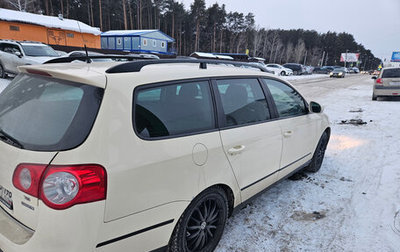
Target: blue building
142,41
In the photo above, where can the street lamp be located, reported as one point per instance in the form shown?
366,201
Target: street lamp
345,59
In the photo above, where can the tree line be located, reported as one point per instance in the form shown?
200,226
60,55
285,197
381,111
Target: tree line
212,29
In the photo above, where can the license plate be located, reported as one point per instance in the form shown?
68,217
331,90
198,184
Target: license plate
6,197
394,83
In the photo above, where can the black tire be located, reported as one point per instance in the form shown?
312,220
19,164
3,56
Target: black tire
319,154
283,73
374,97
201,225
2,72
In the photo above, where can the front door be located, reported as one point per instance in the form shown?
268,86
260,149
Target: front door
251,141
298,126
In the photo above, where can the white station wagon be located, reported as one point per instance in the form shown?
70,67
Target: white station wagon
147,155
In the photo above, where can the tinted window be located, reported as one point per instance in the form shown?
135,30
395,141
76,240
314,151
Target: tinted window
288,102
243,101
48,114
391,73
173,110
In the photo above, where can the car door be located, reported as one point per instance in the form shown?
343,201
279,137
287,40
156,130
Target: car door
298,126
251,140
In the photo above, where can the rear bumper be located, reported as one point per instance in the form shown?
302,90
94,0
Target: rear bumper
73,230
386,90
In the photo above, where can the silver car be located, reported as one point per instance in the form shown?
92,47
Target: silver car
387,83
15,53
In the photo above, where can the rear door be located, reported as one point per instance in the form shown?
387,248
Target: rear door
298,126
251,140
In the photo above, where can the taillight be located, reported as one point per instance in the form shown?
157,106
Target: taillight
379,81
62,186
27,178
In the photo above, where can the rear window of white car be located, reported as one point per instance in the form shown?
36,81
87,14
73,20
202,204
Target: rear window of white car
46,114
391,73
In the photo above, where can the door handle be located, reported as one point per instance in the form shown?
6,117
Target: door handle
236,150
288,133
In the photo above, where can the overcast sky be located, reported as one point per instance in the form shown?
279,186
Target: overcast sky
374,23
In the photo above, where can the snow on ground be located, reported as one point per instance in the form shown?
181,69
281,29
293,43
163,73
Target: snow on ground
305,77
352,203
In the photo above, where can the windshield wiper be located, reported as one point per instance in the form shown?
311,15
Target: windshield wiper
10,140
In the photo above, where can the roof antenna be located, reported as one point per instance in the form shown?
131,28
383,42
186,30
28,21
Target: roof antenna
88,60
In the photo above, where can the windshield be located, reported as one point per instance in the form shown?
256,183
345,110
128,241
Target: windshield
39,51
46,114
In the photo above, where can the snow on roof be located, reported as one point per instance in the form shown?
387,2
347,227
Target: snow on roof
135,33
47,21
210,55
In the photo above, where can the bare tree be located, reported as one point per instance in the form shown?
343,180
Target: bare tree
100,16
258,37
288,52
299,50
21,5
124,13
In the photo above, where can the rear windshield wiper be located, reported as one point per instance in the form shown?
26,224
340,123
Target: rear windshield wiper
10,140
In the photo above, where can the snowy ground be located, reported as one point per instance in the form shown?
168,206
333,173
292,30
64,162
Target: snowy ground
305,77
353,202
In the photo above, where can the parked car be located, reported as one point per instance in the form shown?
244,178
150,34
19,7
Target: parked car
354,70
144,155
338,73
387,83
19,53
309,69
322,70
279,69
297,69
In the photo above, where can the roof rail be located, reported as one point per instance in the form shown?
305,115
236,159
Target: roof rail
136,66
84,58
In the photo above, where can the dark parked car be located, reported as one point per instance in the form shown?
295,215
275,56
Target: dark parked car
298,69
322,70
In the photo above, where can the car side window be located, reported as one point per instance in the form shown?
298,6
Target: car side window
243,101
10,48
287,100
173,109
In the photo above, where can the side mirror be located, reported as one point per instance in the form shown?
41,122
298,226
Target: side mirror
315,107
18,54
374,77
